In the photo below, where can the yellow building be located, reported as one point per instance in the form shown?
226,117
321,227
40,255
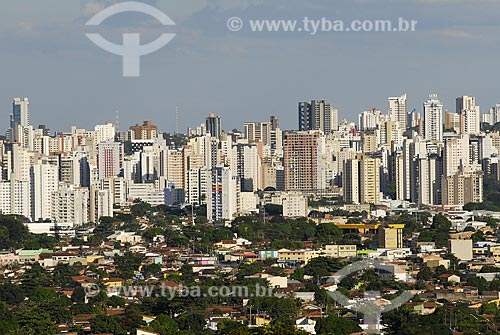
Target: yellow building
334,250
302,256
390,237
494,251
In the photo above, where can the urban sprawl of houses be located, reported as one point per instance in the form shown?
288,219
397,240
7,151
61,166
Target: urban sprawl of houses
141,232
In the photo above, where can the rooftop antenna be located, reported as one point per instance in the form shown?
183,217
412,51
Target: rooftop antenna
176,120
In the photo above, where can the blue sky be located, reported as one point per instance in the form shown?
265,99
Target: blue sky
243,76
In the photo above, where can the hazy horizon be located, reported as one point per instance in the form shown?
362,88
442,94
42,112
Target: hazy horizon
245,75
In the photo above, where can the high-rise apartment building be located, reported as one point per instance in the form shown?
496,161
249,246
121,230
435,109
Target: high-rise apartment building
397,110
110,159
361,180
222,194
213,125
20,112
433,119
300,160
71,205
318,115
20,129
369,120
452,121
15,198
470,115
147,131
44,183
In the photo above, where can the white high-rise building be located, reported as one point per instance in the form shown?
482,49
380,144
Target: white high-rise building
397,110
71,205
101,204
105,132
455,154
247,166
117,188
433,119
15,198
369,119
222,194
196,188
470,115
17,162
44,183
493,116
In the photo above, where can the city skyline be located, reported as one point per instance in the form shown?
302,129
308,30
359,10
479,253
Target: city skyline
36,120
354,71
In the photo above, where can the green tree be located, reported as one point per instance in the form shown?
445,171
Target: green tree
336,325
187,274
328,233
11,294
30,317
127,264
272,209
107,325
194,322
164,325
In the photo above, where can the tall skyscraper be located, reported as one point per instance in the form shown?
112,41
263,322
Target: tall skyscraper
110,159
20,112
44,182
470,115
300,160
397,110
247,166
20,130
213,125
465,103
222,194
433,119
318,115
361,180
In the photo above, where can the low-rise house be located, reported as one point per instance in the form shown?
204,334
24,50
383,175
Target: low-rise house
306,324
274,281
240,256
8,258
423,308
31,256
304,296
434,261
113,282
125,237
146,332
449,278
